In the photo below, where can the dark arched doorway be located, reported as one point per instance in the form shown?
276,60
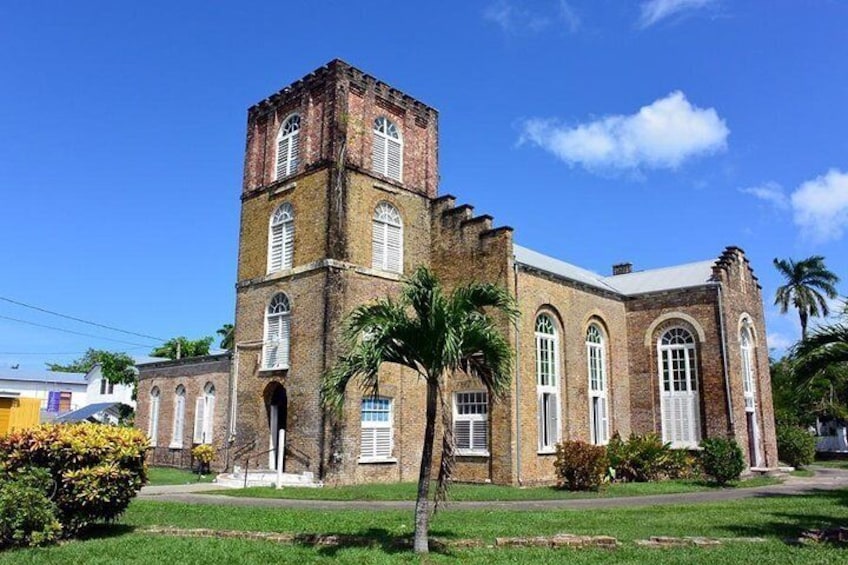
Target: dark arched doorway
275,405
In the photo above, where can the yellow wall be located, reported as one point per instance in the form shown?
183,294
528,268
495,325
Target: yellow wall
19,414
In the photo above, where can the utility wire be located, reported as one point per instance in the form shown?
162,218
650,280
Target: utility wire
81,320
71,331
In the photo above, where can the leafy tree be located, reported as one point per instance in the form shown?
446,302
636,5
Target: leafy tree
117,368
186,348
227,333
434,334
806,280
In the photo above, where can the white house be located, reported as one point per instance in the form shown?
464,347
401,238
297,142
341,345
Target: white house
58,392
100,391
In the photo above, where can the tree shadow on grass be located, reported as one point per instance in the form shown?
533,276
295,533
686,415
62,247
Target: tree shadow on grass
789,525
105,531
329,545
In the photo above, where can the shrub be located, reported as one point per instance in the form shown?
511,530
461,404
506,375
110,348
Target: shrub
580,466
27,516
96,469
204,453
722,459
795,445
647,458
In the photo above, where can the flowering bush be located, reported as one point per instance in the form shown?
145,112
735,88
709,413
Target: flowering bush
96,469
204,453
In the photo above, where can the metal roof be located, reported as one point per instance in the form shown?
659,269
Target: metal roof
86,412
41,376
640,282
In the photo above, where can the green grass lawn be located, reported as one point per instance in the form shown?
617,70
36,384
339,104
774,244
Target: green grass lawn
771,517
468,492
158,476
834,464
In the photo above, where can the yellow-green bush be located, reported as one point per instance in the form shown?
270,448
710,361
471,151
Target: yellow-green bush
96,469
27,516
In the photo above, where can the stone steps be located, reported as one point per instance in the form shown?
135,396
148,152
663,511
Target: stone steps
266,478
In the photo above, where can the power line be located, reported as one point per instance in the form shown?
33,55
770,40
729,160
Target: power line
71,331
46,311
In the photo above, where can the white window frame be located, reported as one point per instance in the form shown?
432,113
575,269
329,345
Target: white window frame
547,383
204,415
387,149
153,419
277,333
387,238
749,385
596,361
678,369
177,433
471,408
106,387
371,430
281,238
288,147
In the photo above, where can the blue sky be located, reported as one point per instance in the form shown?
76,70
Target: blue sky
656,132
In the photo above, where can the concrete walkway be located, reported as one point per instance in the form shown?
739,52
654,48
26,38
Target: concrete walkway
824,479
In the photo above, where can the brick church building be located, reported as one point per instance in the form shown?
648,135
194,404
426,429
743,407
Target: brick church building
340,201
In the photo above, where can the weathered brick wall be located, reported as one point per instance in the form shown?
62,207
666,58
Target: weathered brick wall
742,300
193,374
573,307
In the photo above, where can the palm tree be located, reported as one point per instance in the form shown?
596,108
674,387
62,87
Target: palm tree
227,336
804,280
434,334
826,348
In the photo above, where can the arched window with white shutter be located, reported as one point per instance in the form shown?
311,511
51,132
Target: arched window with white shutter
204,414
547,383
179,417
387,239
275,351
281,239
288,147
598,396
679,400
153,420
387,151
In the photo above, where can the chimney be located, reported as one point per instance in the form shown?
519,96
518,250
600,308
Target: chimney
622,269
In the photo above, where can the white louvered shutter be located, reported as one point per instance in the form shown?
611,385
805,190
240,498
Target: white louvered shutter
294,153
541,421
275,260
378,245
383,442
480,435
283,156
604,420
378,154
209,420
394,159
199,420
368,442
394,251
272,343
462,434
287,247
285,333
553,419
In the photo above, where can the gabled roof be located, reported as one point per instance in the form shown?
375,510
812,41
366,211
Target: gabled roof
630,284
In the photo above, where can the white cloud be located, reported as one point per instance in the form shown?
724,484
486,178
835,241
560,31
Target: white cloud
779,341
820,206
654,11
771,193
514,18
659,136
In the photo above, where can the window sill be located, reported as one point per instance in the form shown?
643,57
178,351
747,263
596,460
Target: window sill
376,460
272,369
546,451
175,446
464,453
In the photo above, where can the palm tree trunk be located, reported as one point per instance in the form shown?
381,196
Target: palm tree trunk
422,504
803,315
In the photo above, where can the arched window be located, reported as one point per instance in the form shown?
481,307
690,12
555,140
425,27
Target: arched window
288,146
748,383
179,417
204,413
387,239
153,420
377,430
281,238
387,151
679,403
598,397
547,382
275,353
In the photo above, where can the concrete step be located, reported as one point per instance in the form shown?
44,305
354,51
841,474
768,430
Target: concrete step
266,478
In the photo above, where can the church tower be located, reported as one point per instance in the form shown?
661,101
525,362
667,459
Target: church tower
339,175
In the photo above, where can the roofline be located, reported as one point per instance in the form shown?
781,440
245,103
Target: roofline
187,361
598,289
